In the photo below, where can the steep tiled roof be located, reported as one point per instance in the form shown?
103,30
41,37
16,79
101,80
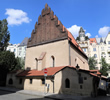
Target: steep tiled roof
35,40
92,40
70,36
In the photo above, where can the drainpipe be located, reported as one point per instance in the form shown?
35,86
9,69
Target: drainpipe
53,86
53,82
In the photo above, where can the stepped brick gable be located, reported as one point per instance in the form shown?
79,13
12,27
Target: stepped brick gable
47,29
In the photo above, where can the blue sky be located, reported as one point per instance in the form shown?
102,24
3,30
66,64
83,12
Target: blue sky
92,15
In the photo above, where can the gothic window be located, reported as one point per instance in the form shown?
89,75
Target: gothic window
53,61
10,81
36,63
67,83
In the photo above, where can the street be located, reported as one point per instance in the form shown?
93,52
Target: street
4,95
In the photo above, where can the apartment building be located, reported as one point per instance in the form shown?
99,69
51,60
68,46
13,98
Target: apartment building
97,47
19,49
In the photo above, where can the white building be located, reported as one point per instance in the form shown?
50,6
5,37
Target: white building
97,47
13,48
19,49
22,48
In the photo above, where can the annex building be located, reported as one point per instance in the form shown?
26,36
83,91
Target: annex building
53,47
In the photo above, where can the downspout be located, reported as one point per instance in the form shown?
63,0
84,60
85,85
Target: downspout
53,83
53,86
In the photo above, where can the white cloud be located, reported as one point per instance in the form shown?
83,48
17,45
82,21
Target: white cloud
104,31
16,17
96,36
74,30
88,34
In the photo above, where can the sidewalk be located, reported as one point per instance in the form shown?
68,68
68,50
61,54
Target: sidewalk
41,94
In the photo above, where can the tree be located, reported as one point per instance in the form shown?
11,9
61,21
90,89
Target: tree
20,63
7,63
7,60
77,39
92,63
104,67
86,38
4,34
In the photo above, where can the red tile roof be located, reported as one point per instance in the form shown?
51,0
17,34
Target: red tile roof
52,71
70,37
93,40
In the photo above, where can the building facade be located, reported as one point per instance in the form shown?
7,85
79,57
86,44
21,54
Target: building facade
13,48
53,47
95,47
19,49
22,48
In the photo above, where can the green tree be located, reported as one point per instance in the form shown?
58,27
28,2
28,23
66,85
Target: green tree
77,39
20,63
7,60
104,67
4,34
86,38
92,63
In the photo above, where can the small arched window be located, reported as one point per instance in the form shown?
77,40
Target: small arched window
10,81
53,61
67,83
36,63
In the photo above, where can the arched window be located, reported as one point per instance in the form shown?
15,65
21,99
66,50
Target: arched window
36,63
10,81
53,61
67,83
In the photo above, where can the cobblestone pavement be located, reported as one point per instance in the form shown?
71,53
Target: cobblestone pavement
4,95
